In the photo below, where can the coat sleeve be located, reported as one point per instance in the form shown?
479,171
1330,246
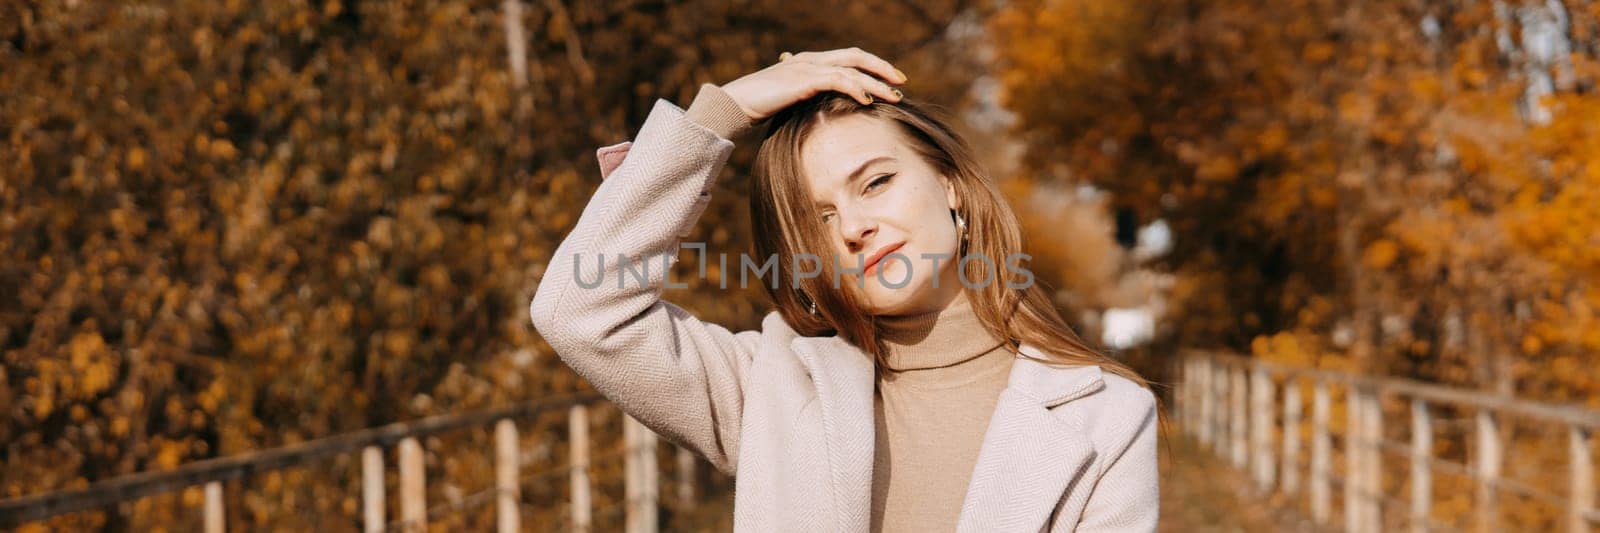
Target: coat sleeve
604,317
1127,496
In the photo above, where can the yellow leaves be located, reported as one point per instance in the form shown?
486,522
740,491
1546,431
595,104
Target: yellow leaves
1531,344
44,404
1318,52
203,41
1322,197
1273,138
1295,348
193,496
136,158
211,397
1357,108
1380,254
221,149
255,100
1426,87
1217,169
436,278
399,343
92,364
1561,226
168,454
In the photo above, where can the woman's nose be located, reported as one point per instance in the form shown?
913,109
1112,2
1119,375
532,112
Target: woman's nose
857,231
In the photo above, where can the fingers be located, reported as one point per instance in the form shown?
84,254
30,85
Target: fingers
850,71
873,87
851,83
853,57
857,84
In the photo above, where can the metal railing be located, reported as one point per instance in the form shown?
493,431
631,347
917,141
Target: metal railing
1250,413
638,452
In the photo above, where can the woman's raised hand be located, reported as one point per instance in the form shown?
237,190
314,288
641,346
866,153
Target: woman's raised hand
797,77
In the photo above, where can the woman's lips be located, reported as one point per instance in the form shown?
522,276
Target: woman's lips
872,262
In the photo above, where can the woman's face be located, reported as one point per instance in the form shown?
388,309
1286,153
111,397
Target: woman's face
876,196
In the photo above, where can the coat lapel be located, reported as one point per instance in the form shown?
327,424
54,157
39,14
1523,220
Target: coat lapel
844,389
1030,455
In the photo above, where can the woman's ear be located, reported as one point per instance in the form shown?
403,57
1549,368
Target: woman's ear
950,196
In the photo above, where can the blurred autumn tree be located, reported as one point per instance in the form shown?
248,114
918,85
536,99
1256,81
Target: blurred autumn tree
232,225
1401,188
1414,180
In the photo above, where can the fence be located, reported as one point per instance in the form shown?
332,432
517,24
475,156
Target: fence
1249,413
639,453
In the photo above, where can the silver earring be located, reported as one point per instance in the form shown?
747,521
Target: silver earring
961,232
810,304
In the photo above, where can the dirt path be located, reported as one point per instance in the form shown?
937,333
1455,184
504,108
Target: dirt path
1201,493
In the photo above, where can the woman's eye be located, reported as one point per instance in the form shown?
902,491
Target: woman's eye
880,180
827,217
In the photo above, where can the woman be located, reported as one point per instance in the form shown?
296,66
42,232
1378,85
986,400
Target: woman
910,395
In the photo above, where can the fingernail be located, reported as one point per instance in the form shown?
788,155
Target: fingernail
902,75
898,95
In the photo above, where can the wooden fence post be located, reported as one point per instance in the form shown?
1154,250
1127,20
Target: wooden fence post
1488,469
1292,407
1582,465
651,477
1182,406
1240,419
1353,455
1222,438
686,467
578,440
641,484
1204,399
506,467
516,42
1321,452
1261,418
413,486
1220,405
1207,399
1421,467
372,512
215,518
1372,477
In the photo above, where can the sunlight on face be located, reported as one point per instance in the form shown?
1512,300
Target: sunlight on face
876,197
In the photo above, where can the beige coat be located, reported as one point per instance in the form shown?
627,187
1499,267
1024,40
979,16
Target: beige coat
792,416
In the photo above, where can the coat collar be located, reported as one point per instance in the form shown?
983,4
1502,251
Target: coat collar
1030,455
1052,385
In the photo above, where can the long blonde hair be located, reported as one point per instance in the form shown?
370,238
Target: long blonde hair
786,225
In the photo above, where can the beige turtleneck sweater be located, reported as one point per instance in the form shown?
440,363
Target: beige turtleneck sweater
944,373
